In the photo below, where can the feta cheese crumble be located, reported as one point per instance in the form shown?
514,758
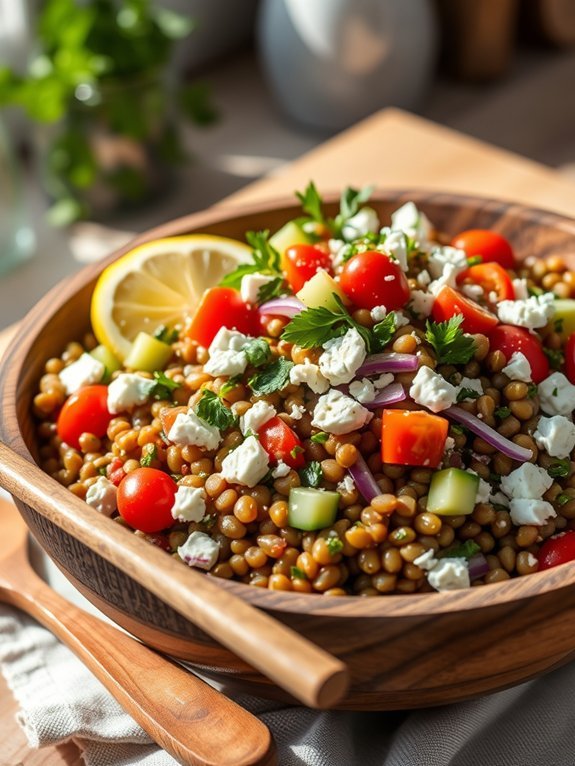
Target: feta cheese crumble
471,383
189,504
342,357
446,573
412,221
530,511
395,244
228,340
101,495
378,313
258,414
247,464
518,367
360,224
346,485
188,428
199,550
556,395
85,371
128,390
363,390
532,312
309,374
282,469
337,413
432,391
251,284
422,302
442,257
226,363
556,435
526,482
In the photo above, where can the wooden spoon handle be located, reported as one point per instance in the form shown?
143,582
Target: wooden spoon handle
297,665
196,724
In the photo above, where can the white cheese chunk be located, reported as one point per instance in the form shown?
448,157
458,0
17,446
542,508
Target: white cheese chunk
532,312
296,411
282,469
128,390
471,383
395,244
475,292
378,313
199,550
422,302
412,221
342,357
432,391
423,278
442,257
527,481
363,390
85,371
363,222
530,511
189,503
251,284
449,574
188,428
254,418
346,485
309,374
247,464
384,380
557,395
337,413
226,363
520,289
555,435
518,367
101,495
228,340
447,279
426,561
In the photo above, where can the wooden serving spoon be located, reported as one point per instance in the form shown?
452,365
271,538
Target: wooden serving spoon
195,723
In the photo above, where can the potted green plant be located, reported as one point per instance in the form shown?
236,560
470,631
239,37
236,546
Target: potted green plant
97,84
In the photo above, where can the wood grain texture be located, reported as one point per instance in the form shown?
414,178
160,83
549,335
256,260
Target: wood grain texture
403,651
196,724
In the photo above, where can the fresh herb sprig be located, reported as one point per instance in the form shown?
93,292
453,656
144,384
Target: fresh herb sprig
467,393
313,327
211,409
560,469
163,387
271,378
148,458
265,260
450,343
165,334
349,205
464,551
383,331
311,475
258,352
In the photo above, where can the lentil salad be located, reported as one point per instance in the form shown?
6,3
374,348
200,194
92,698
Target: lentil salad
360,410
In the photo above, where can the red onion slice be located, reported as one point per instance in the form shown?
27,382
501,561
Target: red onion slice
478,566
364,479
388,362
490,435
391,394
283,307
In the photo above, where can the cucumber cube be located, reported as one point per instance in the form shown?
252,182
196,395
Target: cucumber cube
147,353
108,359
290,234
318,291
310,509
565,311
452,492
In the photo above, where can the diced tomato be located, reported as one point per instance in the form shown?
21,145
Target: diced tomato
168,416
301,262
145,499
282,443
221,307
413,437
557,550
115,471
570,357
373,279
508,339
492,278
86,411
490,246
450,302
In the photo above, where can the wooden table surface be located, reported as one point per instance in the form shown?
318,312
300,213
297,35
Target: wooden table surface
390,149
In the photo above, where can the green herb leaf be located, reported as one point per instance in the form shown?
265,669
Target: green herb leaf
560,469
295,451
311,475
451,345
266,260
383,331
474,260
313,327
166,334
334,545
467,393
258,352
297,574
349,204
502,413
464,551
532,390
211,409
558,325
458,430
271,290
563,498
103,470
151,455
163,387
230,384
320,438
556,357
272,378
311,203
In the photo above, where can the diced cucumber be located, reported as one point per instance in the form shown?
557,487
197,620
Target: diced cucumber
452,492
310,509
318,291
147,353
108,359
564,311
290,234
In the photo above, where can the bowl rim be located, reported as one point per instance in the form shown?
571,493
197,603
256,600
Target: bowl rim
414,605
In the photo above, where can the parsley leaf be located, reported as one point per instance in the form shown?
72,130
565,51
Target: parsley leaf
266,260
272,378
563,498
297,574
334,545
464,551
311,475
474,260
313,327
166,334
532,390
349,204
383,331
258,352
151,455
560,469
311,203
211,409
271,290
502,412
295,451
556,357
320,438
163,386
451,345
467,393
229,385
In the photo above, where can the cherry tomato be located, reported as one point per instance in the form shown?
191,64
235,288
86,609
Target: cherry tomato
373,279
84,411
508,339
221,307
570,357
475,318
490,246
282,443
557,550
145,499
413,437
301,262
115,471
492,278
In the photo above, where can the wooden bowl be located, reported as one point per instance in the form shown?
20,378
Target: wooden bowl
403,651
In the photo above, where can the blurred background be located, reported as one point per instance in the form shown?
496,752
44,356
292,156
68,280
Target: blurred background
115,116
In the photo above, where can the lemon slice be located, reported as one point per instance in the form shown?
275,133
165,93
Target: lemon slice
158,283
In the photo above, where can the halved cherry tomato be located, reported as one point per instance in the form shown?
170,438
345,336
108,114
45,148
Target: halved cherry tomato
282,443
508,339
449,302
84,411
301,262
492,278
145,499
490,246
557,550
413,437
115,471
221,307
168,415
570,357
373,279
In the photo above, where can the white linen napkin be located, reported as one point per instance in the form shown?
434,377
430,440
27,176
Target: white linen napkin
60,700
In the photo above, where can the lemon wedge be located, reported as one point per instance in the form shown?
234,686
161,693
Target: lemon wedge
158,283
